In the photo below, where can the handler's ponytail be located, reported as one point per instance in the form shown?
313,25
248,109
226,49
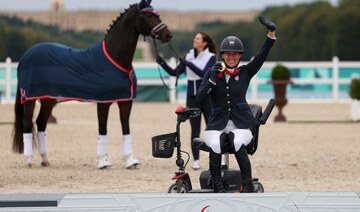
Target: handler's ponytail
211,44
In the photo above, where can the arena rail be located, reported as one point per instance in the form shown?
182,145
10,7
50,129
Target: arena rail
7,81
142,201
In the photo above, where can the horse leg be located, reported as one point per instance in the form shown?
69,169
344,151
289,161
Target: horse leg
52,119
45,112
28,132
125,110
102,113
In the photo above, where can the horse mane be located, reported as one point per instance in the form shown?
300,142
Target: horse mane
117,19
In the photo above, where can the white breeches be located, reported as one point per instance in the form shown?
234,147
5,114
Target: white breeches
242,137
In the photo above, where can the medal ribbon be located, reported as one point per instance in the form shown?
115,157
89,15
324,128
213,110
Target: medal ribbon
231,74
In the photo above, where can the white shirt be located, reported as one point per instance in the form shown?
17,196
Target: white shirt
200,61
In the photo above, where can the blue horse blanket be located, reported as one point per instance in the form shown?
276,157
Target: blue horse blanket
51,70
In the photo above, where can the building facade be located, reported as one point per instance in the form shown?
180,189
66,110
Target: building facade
99,20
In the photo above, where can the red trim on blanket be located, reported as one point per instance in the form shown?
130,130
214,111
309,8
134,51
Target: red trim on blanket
24,99
65,99
131,72
132,86
113,61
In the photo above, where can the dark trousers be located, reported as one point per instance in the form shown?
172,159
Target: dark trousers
195,122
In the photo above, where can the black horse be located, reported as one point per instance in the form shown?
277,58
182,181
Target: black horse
102,73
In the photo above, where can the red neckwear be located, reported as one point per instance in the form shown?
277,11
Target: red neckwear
231,74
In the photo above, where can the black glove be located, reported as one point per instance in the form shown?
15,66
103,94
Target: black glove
269,24
160,60
214,71
182,60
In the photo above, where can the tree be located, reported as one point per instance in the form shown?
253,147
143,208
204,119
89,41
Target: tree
16,36
2,41
346,30
16,45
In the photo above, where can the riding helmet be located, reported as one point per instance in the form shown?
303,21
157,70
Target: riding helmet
231,44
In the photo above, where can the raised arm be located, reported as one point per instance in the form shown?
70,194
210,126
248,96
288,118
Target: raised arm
262,55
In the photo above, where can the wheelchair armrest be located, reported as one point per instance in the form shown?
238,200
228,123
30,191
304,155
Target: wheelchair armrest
199,143
267,111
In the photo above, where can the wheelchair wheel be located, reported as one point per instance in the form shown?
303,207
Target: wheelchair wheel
173,188
258,187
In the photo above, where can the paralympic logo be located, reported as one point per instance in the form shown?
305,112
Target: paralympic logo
206,209
211,205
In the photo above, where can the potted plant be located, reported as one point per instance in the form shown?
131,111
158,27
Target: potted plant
280,77
354,92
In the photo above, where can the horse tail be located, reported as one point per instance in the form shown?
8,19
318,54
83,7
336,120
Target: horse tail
18,144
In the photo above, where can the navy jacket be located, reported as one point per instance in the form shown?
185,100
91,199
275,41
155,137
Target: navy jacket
228,100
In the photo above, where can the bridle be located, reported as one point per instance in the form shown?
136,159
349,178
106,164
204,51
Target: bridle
155,33
157,29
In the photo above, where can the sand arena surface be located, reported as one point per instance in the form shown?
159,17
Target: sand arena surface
316,150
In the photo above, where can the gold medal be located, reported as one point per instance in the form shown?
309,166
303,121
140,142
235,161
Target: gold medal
222,66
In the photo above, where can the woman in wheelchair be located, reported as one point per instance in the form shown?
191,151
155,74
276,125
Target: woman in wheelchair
231,118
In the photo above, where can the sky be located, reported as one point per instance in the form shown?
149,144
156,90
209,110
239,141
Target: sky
179,5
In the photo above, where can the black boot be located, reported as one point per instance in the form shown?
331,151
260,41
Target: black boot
215,171
245,167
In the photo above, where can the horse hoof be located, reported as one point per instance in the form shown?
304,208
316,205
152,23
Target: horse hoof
45,163
29,161
135,166
103,163
131,162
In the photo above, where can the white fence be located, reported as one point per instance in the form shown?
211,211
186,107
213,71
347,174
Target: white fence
8,81
335,65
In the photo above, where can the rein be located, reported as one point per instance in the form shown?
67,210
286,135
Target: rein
155,34
177,71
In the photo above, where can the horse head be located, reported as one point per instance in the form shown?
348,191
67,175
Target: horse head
150,22
121,39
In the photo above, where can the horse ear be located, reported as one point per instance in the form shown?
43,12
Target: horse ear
144,3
